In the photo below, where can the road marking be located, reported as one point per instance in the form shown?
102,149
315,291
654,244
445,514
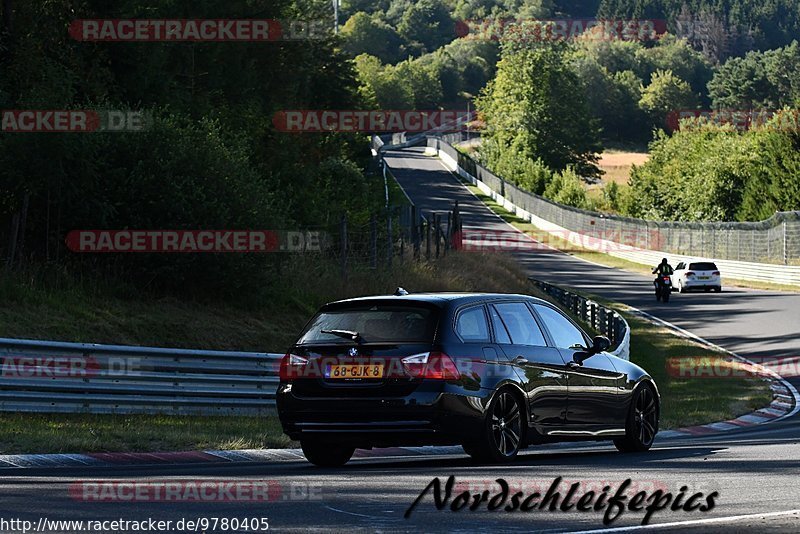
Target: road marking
792,390
692,522
373,517
455,176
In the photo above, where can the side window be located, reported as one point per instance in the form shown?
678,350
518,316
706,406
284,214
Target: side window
680,266
522,327
471,325
564,333
500,332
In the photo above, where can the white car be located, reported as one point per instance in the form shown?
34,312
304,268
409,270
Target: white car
697,274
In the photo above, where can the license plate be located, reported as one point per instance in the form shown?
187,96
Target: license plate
354,371
703,277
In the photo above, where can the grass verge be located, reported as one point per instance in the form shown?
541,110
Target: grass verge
595,256
71,315
70,433
691,401
687,401
30,310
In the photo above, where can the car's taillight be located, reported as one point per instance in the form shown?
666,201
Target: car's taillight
715,273
292,366
432,366
689,273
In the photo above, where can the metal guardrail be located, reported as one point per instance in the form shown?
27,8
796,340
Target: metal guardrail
775,240
45,376
57,377
600,318
611,239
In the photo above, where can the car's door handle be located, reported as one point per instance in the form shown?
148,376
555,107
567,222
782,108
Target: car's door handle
520,360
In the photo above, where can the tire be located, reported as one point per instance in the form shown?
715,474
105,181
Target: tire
707,289
502,434
718,289
326,454
680,288
641,426
665,298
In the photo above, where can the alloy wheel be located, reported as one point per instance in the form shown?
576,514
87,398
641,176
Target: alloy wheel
645,416
506,424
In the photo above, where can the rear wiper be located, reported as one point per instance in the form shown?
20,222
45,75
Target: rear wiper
347,334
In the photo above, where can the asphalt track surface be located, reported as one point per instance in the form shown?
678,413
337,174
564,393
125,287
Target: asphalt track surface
754,470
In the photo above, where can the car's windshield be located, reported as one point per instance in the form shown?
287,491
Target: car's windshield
374,324
703,266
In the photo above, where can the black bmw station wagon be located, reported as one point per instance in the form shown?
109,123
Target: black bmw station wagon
491,372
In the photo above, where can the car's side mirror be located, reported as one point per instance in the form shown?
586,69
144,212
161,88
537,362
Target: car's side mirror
578,358
600,344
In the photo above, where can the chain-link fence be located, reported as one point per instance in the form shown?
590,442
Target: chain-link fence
775,240
399,233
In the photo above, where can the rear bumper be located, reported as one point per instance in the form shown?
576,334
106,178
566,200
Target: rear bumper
701,284
434,414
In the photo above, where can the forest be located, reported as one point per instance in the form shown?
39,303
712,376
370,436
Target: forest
548,108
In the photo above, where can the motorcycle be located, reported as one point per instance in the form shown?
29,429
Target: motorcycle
663,286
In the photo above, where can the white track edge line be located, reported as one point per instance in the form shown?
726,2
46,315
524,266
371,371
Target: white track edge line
690,522
792,390
785,383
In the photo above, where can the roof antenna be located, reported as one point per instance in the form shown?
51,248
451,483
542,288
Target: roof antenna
400,292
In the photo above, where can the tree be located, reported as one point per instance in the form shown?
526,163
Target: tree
423,80
782,67
365,34
538,104
613,98
713,172
666,93
411,84
212,156
427,25
675,55
741,83
759,80
567,188
389,90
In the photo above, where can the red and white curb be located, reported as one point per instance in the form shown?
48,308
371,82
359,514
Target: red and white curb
785,403
782,405
785,397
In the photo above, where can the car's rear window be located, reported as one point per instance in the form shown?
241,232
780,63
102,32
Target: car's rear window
703,266
375,324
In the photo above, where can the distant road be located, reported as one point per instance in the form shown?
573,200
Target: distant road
755,470
747,321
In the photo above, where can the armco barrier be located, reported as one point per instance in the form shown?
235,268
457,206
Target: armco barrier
643,252
45,376
58,377
604,320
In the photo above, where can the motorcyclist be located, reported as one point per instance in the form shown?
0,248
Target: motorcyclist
663,268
